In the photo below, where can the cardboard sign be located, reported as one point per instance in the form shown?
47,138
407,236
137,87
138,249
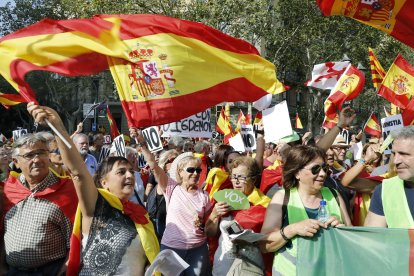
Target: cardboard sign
234,198
19,133
248,137
107,139
142,163
103,154
276,122
388,125
237,142
119,145
195,126
153,139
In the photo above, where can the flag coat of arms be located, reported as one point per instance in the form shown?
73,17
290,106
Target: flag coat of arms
394,17
165,69
326,75
398,84
347,88
372,126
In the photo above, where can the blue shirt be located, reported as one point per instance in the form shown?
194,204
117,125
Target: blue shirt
376,200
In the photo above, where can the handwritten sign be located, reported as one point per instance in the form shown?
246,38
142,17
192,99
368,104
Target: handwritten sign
119,145
195,126
19,133
390,124
248,137
153,139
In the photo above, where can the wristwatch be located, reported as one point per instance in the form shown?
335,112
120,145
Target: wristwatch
361,161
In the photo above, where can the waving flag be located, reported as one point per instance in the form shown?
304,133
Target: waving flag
398,84
258,118
330,123
408,114
326,75
11,99
372,126
378,73
112,124
395,17
387,113
241,120
348,87
298,122
159,64
223,126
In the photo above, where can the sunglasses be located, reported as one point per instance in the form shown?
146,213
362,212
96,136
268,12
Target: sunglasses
192,170
317,168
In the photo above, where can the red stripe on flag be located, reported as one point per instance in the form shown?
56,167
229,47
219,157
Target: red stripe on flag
325,6
399,100
403,29
140,114
411,257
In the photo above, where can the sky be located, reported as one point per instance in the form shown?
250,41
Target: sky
3,2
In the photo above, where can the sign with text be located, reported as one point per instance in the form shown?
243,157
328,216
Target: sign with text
19,133
119,145
234,198
248,137
276,122
195,126
153,139
388,125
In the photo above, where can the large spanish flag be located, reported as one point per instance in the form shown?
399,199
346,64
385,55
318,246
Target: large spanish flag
377,71
395,17
398,84
11,99
348,87
165,69
357,251
372,126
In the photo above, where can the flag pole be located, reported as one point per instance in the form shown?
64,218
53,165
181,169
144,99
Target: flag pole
58,134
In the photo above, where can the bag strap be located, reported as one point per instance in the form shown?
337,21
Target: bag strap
285,203
335,194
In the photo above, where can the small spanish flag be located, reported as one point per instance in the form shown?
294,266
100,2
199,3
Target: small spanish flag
372,126
298,122
398,84
241,120
114,128
223,126
258,118
378,73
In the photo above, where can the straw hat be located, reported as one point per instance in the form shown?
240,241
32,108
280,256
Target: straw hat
340,142
174,165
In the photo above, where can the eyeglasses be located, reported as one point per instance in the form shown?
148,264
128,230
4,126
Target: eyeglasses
317,168
55,151
239,178
192,170
339,148
33,154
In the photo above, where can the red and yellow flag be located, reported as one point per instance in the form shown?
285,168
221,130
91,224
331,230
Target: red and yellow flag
258,118
348,87
395,17
330,123
408,114
8,100
372,126
398,84
223,126
112,124
378,73
242,120
161,65
298,122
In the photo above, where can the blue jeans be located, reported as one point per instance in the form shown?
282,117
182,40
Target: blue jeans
197,258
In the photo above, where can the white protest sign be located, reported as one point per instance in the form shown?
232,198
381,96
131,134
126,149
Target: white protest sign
19,133
247,134
276,122
195,126
167,262
107,139
119,145
237,142
153,139
390,124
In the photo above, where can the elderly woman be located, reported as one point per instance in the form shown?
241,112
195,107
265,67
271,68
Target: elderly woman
188,208
293,211
245,175
111,235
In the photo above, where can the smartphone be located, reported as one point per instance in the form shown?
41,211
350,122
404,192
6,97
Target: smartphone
234,228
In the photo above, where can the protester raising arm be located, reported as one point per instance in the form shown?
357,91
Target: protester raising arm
82,179
260,145
346,116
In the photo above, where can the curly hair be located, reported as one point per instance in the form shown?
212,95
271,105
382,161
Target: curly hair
297,158
254,171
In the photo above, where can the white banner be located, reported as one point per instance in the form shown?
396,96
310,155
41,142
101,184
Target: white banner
19,133
248,137
276,122
389,124
153,139
195,126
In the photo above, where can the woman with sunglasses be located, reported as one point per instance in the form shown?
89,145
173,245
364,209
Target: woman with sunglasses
293,211
188,208
245,174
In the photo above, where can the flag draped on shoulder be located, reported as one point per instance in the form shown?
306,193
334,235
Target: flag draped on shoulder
394,17
398,84
298,122
8,100
326,75
348,87
372,126
160,64
223,126
378,73
112,124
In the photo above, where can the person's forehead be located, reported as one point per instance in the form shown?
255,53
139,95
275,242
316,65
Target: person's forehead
121,164
33,146
406,145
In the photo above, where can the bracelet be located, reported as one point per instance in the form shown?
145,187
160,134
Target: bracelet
282,233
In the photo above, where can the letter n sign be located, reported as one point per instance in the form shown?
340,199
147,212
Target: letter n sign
153,139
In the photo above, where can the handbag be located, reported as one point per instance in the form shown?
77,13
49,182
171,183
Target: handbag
243,267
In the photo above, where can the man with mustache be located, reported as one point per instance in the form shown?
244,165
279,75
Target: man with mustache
392,204
39,209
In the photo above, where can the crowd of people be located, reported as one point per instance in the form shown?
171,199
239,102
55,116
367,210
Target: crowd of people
75,211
